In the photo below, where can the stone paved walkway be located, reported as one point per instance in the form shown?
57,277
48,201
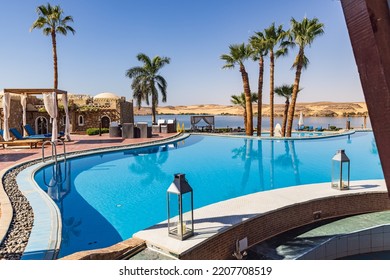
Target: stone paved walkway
14,155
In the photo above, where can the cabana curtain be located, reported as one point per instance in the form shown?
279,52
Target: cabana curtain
67,121
50,102
23,102
6,111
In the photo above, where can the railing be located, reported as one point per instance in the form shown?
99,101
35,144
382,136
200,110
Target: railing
54,155
57,178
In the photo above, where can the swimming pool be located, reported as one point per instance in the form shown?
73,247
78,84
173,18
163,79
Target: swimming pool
107,197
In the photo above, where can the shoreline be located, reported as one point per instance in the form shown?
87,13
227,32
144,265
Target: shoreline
314,109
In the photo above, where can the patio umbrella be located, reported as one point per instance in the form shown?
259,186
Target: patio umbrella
300,122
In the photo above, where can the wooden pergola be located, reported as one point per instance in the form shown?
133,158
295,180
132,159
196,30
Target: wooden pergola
40,91
34,90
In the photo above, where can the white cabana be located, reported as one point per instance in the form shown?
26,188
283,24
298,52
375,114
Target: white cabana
207,119
51,106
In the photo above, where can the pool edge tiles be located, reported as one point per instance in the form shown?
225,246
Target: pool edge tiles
45,238
219,217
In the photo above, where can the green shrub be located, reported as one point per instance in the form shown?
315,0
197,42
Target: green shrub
95,131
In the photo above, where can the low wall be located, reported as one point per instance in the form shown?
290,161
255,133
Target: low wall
260,228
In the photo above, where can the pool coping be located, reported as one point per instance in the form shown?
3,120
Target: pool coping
44,241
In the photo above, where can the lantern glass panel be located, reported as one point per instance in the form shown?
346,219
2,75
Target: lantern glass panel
344,182
187,213
173,210
336,174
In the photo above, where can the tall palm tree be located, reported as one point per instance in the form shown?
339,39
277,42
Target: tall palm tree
274,37
52,21
259,52
240,100
238,54
145,78
301,34
286,92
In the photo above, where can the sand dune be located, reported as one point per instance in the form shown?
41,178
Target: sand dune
315,109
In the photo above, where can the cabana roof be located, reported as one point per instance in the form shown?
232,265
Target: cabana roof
34,90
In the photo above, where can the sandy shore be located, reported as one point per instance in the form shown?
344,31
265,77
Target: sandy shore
315,109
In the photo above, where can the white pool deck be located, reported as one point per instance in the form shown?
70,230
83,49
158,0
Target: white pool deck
216,218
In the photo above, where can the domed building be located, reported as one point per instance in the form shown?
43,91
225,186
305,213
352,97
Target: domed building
92,111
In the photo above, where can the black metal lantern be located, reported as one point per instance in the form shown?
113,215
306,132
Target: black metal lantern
340,171
180,208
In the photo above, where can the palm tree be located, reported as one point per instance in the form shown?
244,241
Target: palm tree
274,37
259,52
301,34
286,92
51,21
238,54
145,78
240,100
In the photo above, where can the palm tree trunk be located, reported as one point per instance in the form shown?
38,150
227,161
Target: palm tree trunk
154,111
245,118
248,103
294,96
271,92
260,95
287,104
54,42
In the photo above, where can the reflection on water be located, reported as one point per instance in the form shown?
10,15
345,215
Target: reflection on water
157,156
284,160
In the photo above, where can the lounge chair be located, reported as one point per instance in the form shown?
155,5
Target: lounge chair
33,143
30,131
19,136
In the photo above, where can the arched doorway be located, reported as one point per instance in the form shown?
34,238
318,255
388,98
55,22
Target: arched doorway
41,125
105,122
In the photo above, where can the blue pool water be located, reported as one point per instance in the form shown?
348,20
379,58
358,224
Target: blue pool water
106,198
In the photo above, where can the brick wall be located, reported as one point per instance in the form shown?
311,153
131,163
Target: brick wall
221,246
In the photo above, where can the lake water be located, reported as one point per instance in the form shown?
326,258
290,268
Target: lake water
238,121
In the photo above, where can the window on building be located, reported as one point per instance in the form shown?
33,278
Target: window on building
81,120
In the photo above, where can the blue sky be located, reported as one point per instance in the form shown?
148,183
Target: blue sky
193,33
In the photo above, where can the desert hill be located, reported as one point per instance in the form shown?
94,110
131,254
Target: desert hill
314,109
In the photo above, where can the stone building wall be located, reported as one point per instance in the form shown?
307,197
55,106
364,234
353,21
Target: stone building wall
115,109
